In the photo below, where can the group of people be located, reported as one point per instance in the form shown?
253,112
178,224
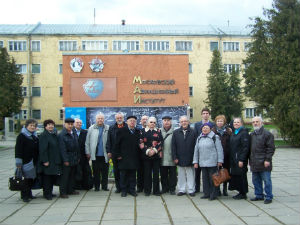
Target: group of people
144,156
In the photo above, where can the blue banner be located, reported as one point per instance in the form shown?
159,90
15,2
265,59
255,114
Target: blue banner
76,112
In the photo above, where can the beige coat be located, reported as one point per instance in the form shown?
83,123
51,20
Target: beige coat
92,141
167,148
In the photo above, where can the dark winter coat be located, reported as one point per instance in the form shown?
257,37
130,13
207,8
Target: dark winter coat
183,146
239,151
262,149
81,143
112,137
127,147
225,141
154,139
27,149
49,152
69,147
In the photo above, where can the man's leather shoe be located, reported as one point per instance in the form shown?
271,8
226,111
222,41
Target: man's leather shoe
133,193
139,190
105,189
212,198
172,193
26,200
117,191
157,194
256,199
204,197
96,189
192,194
48,197
180,193
53,195
64,196
75,193
268,201
124,194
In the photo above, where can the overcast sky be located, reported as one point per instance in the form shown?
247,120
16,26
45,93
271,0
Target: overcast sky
183,12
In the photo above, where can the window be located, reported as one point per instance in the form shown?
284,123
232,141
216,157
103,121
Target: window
61,114
22,68
247,45
36,68
1,44
214,45
60,68
94,45
60,91
191,113
184,45
126,45
24,91
228,68
36,46
191,91
250,112
36,91
67,45
36,114
23,114
190,67
156,46
17,45
231,46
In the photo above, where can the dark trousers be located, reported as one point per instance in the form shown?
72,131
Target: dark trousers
26,193
140,176
209,188
151,167
48,182
168,178
197,179
100,167
127,181
67,180
117,173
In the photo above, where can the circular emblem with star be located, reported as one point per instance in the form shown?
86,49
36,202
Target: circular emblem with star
96,65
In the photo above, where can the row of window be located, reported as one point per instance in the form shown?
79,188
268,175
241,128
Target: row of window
35,114
37,91
36,68
101,45
249,112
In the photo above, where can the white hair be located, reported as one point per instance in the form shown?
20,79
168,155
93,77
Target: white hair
77,119
258,117
119,113
100,114
152,118
184,117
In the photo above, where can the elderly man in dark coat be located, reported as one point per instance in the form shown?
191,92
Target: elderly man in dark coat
127,152
70,152
262,150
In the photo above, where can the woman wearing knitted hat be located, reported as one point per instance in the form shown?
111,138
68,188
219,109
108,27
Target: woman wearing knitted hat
208,155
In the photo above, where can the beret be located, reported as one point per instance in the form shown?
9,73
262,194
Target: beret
130,117
69,120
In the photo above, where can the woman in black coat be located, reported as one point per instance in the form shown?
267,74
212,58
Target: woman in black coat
26,154
151,146
50,158
239,155
224,132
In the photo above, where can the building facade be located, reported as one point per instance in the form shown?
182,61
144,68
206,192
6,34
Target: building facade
43,53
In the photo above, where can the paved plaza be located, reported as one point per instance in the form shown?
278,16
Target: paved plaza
108,208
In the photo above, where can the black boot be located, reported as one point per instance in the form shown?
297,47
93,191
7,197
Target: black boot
225,193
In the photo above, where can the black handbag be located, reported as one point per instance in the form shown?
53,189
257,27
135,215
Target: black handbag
18,181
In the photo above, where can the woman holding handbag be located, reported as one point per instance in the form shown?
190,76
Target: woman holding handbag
208,155
224,133
26,154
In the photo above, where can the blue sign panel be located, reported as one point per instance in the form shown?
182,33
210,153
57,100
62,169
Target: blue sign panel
74,112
